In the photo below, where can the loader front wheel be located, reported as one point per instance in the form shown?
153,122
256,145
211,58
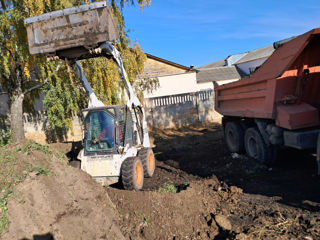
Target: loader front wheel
132,174
75,163
147,157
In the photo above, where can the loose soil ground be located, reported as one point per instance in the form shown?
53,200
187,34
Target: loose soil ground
50,200
225,197
205,193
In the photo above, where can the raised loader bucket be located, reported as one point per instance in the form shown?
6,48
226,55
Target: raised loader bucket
66,32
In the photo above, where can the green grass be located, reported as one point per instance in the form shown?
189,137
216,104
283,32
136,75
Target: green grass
168,188
3,208
5,138
5,132
32,145
60,155
8,176
13,171
144,219
39,170
147,219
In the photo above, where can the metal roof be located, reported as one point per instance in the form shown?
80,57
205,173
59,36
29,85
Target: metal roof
232,59
235,59
256,54
218,74
219,63
170,63
281,60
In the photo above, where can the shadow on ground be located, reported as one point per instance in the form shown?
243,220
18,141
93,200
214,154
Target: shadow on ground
202,152
47,236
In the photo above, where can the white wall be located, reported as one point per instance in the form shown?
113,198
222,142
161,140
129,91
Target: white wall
204,86
175,84
181,83
209,85
252,64
227,81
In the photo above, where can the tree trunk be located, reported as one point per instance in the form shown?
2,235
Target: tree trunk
17,125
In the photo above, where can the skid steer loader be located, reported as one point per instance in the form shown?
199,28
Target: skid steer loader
116,141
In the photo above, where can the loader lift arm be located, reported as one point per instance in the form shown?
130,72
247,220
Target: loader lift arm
109,51
115,140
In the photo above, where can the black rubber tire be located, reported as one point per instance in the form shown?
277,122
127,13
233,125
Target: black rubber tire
234,137
132,173
75,163
148,161
255,147
273,152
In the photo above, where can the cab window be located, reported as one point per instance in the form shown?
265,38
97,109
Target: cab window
99,127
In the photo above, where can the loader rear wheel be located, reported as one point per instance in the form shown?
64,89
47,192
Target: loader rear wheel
75,163
132,174
254,145
147,157
234,136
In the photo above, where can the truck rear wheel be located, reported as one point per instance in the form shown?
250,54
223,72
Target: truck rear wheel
234,135
254,145
132,174
147,157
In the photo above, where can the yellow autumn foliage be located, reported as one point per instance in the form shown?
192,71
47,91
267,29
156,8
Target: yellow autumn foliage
64,95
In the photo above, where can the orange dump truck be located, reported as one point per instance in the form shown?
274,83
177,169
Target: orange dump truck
277,105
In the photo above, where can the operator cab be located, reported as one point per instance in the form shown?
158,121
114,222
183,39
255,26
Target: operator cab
107,129
99,128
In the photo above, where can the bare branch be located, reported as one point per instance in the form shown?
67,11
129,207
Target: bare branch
3,5
43,83
35,87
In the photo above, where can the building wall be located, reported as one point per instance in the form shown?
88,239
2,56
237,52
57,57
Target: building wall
204,86
36,126
174,84
209,85
179,110
153,68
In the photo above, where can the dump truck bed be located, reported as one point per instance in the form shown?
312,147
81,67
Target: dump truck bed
79,27
286,88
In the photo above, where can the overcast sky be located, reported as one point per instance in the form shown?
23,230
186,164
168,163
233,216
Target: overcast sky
198,32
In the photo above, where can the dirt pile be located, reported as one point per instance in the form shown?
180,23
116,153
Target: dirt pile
54,201
200,191
209,209
198,212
